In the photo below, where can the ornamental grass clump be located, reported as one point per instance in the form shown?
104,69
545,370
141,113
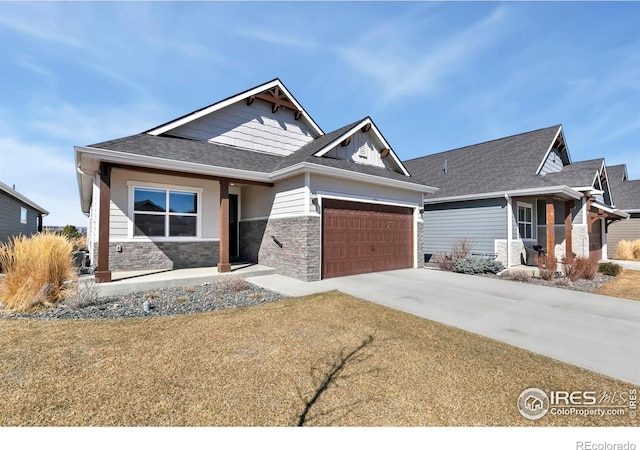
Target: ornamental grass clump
629,250
37,271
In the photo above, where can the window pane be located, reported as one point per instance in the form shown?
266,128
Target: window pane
527,231
149,200
521,229
23,215
183,202
527,214
182,226
148,225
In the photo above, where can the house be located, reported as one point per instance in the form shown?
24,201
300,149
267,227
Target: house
626,195
18,214
516,192
251,178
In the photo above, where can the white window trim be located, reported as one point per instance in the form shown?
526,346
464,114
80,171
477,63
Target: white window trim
24,215
131,184
533,223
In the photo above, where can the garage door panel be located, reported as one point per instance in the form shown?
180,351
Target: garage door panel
362,238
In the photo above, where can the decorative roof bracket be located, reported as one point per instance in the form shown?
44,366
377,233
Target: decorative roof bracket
278,100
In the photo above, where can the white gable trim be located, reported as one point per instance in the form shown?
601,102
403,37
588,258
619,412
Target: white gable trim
224,103
324,150
546,155
606,176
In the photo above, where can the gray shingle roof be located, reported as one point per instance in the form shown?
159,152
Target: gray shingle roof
577,174
626,194
500,165
217,155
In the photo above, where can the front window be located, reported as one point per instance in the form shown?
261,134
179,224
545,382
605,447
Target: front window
23,215
164,212
525,221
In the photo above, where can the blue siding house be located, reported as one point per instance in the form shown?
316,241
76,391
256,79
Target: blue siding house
515,192
18,214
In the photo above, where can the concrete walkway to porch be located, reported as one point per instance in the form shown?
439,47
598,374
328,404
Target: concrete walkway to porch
143,280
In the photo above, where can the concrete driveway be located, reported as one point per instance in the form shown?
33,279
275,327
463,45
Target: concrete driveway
591,331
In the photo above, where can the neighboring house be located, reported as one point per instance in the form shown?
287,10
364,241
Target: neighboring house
626,196
516,192
18,214
251,178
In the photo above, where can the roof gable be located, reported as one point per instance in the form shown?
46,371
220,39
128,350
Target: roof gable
273,93
21,198
504,164
363,143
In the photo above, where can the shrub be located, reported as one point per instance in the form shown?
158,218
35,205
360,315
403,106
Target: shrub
86,293
629,250
519,275
587,267
547,267
461,248
476,264
37,270
570,268
444,261
610,269
229,283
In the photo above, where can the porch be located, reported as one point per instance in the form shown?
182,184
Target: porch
143,280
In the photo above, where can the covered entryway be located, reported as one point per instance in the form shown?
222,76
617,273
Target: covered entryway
363,237
595,240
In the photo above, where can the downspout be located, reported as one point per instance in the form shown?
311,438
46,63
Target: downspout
509,228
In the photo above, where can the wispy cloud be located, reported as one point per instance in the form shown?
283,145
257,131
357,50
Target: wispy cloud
276,37
401,74
38,24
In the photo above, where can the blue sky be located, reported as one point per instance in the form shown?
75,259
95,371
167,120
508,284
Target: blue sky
433,76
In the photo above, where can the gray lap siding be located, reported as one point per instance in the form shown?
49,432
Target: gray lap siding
628,230
10,218
482,221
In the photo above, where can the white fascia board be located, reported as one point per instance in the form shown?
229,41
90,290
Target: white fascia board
166,164
631,211
608,209
563,190
348,174
236,98
365,199
546,155
18,196
353,131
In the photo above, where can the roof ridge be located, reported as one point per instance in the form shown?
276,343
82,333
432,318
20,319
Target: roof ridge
484,142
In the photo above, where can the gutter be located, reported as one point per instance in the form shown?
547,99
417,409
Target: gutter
374,179
564,190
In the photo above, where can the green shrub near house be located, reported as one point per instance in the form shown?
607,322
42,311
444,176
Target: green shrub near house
476,264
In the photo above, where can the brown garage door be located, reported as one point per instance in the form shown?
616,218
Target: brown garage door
362,238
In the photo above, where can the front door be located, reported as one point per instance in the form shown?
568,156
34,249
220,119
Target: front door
233,227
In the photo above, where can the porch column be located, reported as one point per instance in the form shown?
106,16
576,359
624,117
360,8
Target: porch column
568,228
103,274
551,230
223,264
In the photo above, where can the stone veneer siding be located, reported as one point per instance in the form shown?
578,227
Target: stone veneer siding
161,255
420,247
299,256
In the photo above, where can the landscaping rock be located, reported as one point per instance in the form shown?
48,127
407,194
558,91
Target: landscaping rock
162,302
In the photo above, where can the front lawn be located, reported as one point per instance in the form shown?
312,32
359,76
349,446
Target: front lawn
326,359
625,285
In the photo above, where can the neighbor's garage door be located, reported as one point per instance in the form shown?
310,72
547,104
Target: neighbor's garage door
362,237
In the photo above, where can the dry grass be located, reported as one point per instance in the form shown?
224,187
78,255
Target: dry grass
629,250
262,365
36,269
625,285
